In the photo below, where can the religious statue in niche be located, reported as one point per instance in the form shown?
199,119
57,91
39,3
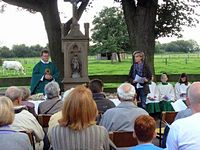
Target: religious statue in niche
76,67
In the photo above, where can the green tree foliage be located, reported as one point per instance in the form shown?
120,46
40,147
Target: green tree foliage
5,52
182,46
21,51
110,31
148,20
172,15
159,48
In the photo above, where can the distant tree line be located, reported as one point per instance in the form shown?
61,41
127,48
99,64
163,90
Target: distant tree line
183,46
21,51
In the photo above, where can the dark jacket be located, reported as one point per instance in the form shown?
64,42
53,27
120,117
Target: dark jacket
146,72
102,103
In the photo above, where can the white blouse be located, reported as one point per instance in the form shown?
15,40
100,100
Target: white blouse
166,92
180,90
153,96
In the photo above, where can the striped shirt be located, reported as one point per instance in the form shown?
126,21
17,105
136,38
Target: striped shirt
92,138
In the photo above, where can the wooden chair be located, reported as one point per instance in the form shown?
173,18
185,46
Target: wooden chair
31,137
43,119
123,139
167,118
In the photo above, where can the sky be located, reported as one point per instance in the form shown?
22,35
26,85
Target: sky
22,27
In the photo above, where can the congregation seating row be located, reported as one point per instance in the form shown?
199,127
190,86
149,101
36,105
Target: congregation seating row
119,138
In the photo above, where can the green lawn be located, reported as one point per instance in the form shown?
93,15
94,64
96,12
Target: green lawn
177,64
170,63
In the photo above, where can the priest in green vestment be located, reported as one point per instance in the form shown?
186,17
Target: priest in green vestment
43,73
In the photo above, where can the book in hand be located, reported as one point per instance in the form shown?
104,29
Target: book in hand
139,79
178,105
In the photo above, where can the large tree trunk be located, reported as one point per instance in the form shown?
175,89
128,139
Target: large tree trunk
140,19
119,57
53,28
50,14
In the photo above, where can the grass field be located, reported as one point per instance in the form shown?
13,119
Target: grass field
170,63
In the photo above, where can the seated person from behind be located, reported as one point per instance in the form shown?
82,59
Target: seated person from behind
77,129
57,116
122,116
24,120
184,133
25,95
181,114
96,86
9,138
181,87
144,131
53,103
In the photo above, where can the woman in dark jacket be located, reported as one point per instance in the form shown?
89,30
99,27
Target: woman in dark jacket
139,76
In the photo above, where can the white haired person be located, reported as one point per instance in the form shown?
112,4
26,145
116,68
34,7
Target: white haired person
184,133
9,138
53,103
57,116
24,120
25,96
121,117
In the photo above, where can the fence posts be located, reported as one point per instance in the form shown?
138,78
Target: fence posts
165,61
186,61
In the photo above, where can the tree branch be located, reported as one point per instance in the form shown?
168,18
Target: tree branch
81,9
28,4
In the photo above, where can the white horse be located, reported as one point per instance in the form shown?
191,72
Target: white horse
13,65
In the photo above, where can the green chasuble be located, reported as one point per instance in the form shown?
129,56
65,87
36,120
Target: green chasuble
38,81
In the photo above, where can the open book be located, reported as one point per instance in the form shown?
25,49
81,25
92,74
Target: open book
178,105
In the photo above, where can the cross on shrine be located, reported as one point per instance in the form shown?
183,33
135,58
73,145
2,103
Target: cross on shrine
74,5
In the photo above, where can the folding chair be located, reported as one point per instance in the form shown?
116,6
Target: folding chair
123,139
31,137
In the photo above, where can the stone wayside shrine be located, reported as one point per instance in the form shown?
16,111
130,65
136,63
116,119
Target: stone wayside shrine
75,47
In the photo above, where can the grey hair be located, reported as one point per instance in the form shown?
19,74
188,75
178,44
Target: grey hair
141,54
52,89
126,92
13,93
25,93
